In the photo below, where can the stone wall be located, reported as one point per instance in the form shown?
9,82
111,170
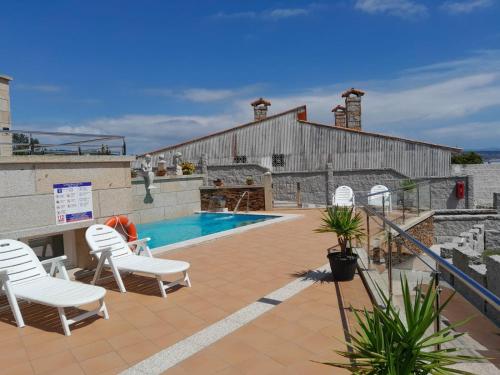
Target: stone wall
443,192
465,252
174,196
450,223
423,231
235,174
27,195
5,117
256,196
486,181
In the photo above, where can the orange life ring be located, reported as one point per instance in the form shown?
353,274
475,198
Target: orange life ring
123,223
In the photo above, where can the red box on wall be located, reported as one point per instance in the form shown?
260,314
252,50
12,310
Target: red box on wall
460,190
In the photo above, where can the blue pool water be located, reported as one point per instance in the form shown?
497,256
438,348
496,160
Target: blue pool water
167,232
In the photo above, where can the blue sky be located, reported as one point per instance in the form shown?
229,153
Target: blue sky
160,72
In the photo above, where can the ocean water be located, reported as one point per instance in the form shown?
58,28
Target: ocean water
167,232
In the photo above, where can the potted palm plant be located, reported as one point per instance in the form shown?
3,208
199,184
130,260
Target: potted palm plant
347,225
393,340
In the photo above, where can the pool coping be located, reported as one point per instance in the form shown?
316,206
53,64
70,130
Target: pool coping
210,237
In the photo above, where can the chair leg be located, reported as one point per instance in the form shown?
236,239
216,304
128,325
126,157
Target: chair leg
98,271
14,306
64,321
118,277
162,286
187,280
103,308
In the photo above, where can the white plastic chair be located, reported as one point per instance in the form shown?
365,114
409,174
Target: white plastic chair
381,199
23,277
344,196
114,253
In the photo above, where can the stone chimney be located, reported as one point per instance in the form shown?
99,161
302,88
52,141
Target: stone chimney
353,108
260,109
5,138
340,116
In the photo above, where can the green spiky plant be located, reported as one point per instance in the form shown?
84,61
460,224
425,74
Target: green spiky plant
385,345
345,223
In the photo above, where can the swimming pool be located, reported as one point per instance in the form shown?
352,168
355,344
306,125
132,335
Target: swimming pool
201,224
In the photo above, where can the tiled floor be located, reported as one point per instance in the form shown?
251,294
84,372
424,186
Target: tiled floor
227,274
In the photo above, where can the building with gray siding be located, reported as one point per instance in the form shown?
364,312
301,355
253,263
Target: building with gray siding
288,142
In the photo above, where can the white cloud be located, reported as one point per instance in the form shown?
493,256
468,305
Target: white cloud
268,14
465,6
399,8
39,88
203,95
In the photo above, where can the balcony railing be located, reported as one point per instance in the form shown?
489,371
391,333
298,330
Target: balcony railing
28,142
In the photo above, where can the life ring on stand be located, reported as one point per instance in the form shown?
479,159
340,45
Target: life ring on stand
124,226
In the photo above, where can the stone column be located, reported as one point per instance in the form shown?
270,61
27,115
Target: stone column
204,168
496,201
267,181
5,120
330,185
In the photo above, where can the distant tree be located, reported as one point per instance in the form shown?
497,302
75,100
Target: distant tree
21,143
467,158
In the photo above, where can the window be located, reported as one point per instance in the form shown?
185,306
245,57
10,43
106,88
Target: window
278,160
240,159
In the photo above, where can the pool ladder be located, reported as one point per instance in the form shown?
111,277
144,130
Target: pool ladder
247,193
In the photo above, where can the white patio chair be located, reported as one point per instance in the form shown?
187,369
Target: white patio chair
113,252
381,199
23,277
344,196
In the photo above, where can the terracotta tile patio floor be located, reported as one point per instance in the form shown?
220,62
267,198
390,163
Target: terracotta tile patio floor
227,274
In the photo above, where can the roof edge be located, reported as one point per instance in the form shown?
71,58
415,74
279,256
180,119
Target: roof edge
454,149
296,109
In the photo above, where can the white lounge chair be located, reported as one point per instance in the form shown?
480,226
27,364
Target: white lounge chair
23,277
344,196
380,199
114,253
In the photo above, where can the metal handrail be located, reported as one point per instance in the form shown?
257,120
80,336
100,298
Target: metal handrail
472,284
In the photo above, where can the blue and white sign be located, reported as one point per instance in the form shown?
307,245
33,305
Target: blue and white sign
73,202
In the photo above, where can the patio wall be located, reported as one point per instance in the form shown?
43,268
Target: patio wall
27,195
174,196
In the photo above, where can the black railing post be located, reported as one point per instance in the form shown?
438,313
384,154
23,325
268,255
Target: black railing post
124,147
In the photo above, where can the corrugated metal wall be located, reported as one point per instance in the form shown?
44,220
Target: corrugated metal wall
309,147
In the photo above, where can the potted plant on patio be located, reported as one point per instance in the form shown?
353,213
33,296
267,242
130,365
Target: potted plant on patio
218,182
394,340
249,180
347,225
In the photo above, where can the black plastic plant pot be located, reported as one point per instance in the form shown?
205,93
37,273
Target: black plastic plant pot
343,267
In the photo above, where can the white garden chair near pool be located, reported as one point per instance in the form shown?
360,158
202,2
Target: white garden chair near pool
344,196
380,199
23,277
113,252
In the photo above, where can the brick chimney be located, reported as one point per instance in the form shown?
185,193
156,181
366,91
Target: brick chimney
5,138
340,116
353,108
260,109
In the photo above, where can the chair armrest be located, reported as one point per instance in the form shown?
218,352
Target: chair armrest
142,245
4,275
104,249
54,260
57,264
141,241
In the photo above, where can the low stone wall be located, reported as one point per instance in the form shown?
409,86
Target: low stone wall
173,197
486,181
450,223
256,196
465,251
